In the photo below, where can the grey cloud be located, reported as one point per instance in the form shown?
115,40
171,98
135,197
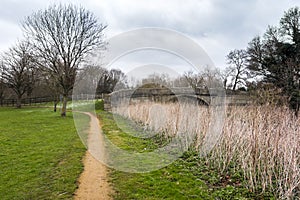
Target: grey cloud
218,25
16,11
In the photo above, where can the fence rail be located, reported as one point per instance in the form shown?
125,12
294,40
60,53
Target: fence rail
46,99
26,101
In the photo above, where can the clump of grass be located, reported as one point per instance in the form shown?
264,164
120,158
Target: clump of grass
262,142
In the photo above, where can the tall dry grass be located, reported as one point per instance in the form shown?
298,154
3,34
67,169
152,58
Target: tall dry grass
263,142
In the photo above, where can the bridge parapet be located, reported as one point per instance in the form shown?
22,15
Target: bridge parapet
164,95
160,91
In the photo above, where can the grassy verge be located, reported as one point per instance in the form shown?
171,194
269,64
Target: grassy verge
187,178
40,154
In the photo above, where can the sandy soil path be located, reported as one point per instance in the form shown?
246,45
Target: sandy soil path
93,182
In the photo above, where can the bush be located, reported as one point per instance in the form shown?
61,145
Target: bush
99,104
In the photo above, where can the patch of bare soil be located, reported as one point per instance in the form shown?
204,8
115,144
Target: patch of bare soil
94,180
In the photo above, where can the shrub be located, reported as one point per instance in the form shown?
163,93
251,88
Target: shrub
99,104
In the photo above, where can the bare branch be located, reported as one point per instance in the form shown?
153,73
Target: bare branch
63,36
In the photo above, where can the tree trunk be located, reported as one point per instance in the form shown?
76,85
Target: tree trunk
55,102
225,83
55,105
297,108
64,106
234,85
236,80
19,99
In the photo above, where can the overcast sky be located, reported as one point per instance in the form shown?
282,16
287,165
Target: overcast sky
218,26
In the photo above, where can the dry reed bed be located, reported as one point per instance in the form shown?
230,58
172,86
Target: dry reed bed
263,142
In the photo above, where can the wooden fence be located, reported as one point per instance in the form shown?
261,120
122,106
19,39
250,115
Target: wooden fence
26,101
46,99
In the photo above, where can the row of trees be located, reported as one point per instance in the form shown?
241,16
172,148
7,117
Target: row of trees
57,41
273,58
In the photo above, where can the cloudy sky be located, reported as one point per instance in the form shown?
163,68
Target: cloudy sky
218,26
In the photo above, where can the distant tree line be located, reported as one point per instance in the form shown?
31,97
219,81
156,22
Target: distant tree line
59,39
270,61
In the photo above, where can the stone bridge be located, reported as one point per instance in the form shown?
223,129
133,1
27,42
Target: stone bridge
164,95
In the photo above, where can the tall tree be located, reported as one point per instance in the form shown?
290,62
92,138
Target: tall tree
290,25
109,80
18,69
290,28
237,60
276,56
63,35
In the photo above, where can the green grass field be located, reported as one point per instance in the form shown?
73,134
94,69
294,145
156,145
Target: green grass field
40,154
41,158
187,178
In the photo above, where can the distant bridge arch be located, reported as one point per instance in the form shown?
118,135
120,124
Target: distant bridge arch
189,98
166,95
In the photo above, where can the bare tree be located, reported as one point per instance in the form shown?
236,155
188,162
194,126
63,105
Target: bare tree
180,81
158,79
18,69
237,67
225,75
212,78
63,35
195,80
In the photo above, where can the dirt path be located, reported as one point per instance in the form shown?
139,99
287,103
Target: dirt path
93,182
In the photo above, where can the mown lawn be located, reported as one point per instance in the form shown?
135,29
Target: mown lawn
187,178
40,154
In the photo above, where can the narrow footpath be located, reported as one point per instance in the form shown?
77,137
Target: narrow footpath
93,182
